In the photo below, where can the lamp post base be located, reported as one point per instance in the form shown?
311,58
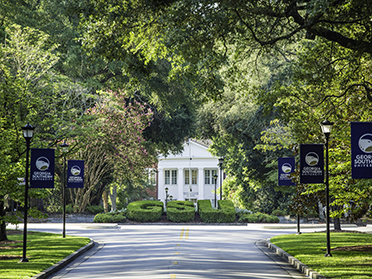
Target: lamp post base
24,260
327,255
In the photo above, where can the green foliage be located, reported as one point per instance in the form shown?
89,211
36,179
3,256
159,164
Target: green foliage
180,211
258,218
36,213
70,208
145,211
279,212
224,214
95,209
111,217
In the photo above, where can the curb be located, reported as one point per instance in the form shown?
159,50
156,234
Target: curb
61,264
294,262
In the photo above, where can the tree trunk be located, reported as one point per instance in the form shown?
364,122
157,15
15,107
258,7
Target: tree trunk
105,200
38,203
337,224
3,235
321,211
113,196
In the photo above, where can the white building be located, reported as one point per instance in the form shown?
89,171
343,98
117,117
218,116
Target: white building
196,165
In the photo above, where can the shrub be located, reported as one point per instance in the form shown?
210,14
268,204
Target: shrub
240,211
258,218
224,214
278,212
69,209
109,218
180,211
145,211
95,209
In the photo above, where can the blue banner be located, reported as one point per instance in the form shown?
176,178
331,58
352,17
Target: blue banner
42,168
361,149
286,166
311,163
75,174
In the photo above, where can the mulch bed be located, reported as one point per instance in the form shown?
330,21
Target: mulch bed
6,245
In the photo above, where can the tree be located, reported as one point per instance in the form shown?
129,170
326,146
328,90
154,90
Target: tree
118,150
31,92
23,68
324,81
197,35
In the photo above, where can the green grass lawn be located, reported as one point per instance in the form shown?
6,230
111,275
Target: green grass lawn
43,250
351,253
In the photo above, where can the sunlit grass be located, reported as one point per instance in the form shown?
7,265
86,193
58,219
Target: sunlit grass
43,250
310,249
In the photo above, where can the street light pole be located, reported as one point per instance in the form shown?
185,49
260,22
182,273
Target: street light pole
215,189
28,132
64,147
326,129
166,196
220,161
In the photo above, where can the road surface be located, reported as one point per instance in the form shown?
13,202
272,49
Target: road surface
173,251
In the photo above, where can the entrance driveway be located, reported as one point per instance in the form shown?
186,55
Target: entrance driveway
174,251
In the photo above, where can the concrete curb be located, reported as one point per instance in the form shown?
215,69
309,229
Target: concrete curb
294,262
61,264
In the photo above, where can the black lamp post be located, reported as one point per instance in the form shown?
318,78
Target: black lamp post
215,189
166,196
220,163
28,132
326,129
64,146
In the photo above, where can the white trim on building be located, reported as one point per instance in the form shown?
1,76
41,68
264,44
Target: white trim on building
194,164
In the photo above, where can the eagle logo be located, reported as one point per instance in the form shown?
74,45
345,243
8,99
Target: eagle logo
365,143
312,158
75,170
42,163
286,168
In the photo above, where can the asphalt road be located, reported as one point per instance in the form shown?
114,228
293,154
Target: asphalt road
164,251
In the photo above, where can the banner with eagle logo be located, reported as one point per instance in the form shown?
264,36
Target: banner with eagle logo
286,166
42,168
75,174
361,149
311,163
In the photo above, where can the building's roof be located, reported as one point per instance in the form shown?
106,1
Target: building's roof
205,142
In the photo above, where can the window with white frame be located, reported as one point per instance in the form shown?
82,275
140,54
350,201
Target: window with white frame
209,176
174,176
194,177
170,176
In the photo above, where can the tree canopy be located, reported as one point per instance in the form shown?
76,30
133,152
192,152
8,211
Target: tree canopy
256,77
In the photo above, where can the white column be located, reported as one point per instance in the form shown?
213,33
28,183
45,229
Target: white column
180,183
201,183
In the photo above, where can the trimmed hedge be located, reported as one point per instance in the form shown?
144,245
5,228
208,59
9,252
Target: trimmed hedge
110,218
224,214
258,218
180,211
145,211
